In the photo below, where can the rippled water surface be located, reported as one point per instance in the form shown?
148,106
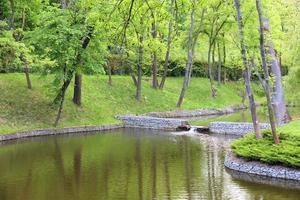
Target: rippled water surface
126,164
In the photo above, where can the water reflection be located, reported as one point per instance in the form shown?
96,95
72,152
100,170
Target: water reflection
126,164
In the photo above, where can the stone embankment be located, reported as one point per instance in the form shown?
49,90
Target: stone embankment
196,113
154,122
234,128
59,131
254,167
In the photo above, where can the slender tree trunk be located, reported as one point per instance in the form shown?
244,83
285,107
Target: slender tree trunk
154,58
210,73
62,95
109,75
266,74
189,63
23,18
64,4
13,13
219,65
138,95
224,59
1,10
166,63
246,72
27,75
77,89
281,111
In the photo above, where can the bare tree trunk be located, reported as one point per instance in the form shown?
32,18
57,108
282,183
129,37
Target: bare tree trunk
219,64
77,89
61,98
278,101
189,63
1,10
210,73
26,71
23,18
266,74
166,63
246,72
140,70
13,13
224,59
154,58
109,75
64,4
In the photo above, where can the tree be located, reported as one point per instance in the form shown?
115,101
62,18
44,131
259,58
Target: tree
169,41
189,63
246,72
266,84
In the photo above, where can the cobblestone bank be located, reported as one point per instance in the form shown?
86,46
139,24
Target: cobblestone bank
258,168
234,128
153,122
59,131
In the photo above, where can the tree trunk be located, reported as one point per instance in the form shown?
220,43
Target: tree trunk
138,95
219,64
278,101
64,4
210,73
109,75
1,10
224,60
189,63
166,63
62,94
13,13
77,89
266,74
64,87
26,71
252,105
23,18
154,58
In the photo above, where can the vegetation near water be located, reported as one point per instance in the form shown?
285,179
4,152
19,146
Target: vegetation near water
286,153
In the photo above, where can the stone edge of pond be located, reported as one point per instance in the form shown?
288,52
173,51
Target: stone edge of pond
234,128
196,112
59,131
258,168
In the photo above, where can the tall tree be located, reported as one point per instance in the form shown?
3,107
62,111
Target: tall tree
189,63
12,14
246,71
266,73
278,100
167,57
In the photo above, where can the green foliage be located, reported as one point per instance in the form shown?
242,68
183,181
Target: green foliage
286,153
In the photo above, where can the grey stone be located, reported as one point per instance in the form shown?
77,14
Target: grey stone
254,167
59,131
153,122
234,128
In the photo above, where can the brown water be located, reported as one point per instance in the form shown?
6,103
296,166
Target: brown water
127,164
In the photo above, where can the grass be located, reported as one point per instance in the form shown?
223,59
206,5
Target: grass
23,109
286,153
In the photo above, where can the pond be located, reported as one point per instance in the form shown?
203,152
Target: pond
131,164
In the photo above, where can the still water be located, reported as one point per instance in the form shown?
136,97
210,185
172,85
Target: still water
128,164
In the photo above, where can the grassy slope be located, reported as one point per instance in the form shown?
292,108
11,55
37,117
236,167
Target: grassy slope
286,153
22,109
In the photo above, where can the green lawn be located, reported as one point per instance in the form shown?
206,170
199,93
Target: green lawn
286,153
23,109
